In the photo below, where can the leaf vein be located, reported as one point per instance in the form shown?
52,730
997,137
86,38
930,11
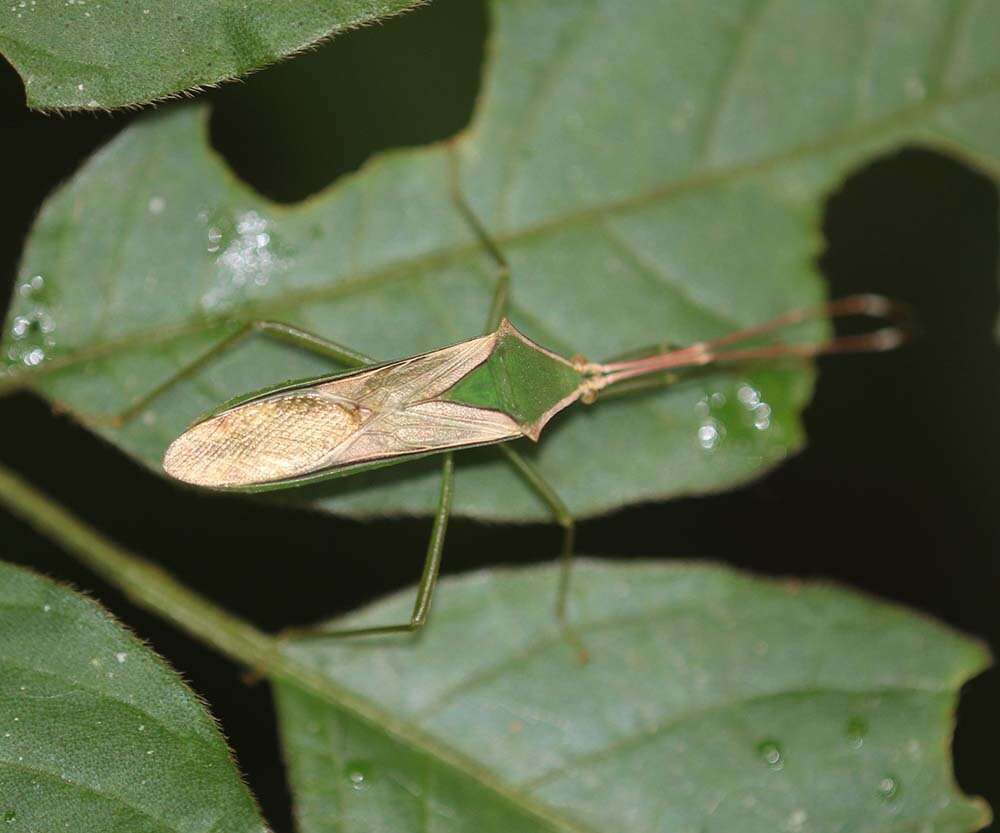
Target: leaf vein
732,68
555,638
657,730
663,279
944,51
155,820
534,106
404,269
105,696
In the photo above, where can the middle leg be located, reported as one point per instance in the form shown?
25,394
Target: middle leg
428,579
562,516
524,469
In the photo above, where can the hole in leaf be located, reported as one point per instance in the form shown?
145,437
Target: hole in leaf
920,227
914,470
293,129
897,491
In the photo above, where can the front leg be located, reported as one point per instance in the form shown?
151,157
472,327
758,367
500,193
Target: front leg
276,330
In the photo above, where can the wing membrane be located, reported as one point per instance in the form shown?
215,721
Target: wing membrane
370,415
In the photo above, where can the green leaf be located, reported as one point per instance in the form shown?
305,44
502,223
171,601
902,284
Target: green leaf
81,54
653,171
96,732
712,701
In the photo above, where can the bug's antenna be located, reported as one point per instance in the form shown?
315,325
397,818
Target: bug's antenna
721,349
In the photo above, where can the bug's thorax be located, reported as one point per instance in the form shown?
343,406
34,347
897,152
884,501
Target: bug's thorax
521,379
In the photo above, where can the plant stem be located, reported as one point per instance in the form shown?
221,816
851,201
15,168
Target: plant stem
151,587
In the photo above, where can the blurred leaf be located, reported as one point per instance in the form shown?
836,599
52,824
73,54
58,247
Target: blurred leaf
81,54
96,732
653,171
711,701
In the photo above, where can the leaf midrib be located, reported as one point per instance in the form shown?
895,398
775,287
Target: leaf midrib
401,269
312,681
90,790
405,731
84,689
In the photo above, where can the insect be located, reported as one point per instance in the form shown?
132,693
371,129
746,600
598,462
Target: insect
491,389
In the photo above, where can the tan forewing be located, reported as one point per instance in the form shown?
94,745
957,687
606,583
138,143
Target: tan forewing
411,380
265,440
366,416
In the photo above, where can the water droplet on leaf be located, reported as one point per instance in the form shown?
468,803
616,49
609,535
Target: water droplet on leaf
855,732
796,821
359,774
748,395
708,435
770,752
888,788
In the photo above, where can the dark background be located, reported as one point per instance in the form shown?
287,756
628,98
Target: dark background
897,494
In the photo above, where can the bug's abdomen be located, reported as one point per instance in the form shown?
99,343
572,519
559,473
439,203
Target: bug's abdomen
262,441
